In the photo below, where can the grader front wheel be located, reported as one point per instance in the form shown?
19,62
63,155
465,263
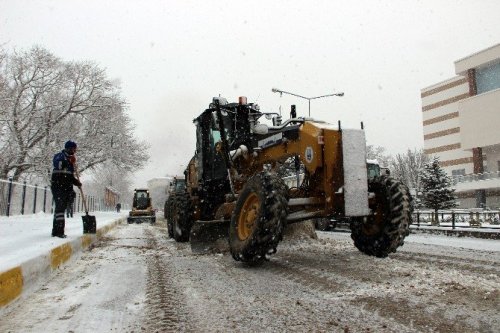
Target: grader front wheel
248,216
384,231
258,219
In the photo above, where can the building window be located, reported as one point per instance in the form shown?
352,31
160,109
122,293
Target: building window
457,176
458,172
488,78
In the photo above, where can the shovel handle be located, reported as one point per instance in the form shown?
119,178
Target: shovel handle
84,201
81,191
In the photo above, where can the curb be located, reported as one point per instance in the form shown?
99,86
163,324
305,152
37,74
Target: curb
19,280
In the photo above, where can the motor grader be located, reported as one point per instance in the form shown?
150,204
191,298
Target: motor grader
233,190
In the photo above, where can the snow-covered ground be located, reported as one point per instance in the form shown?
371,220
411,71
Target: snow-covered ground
24,237
136,279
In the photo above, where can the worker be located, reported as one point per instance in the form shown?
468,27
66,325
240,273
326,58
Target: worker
62,182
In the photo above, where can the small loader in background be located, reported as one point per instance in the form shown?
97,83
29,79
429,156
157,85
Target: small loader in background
233,189
142,209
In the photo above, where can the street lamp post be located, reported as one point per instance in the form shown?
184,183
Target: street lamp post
281,92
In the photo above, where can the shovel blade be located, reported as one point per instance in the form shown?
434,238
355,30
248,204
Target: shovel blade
89,224
209,236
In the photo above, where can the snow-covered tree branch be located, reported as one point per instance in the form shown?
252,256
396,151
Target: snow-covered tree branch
408,166
45,101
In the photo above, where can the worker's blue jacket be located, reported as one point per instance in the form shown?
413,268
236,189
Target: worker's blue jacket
63,177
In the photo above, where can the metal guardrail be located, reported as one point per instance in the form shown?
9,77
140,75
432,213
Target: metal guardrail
23,199
462,218
486,220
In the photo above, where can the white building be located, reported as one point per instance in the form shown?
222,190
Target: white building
461,118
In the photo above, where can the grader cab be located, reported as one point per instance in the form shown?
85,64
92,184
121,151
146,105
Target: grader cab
233,190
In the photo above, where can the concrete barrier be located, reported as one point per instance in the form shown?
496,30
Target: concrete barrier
19,281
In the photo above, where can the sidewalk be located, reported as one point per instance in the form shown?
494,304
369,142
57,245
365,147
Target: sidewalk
459,231
29,254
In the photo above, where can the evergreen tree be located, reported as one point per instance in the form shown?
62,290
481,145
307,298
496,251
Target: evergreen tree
436,187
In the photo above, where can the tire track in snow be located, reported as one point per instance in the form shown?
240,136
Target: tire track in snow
392,291
319,276
165,310
477,267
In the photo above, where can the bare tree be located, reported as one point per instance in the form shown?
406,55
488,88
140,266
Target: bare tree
109,175
378,153
407,167
45,101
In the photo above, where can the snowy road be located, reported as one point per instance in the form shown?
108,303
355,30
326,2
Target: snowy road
137,280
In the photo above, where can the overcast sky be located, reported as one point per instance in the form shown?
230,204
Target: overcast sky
172,57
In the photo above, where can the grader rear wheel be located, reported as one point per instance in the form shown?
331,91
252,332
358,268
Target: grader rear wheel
258,219
182,218
168,217
384,231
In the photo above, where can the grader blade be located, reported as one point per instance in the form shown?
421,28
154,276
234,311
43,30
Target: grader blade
209,236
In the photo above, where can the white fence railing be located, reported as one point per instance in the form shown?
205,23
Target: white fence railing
23,199
454,218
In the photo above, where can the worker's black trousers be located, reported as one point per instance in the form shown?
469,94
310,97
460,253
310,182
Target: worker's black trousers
61,200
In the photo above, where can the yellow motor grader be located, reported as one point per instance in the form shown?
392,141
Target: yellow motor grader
233,190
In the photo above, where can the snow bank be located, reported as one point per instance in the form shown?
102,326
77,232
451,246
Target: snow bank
29,253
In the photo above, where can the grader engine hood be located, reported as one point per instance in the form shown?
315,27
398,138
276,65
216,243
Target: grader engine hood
355,175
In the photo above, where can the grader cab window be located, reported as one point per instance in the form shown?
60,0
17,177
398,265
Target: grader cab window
373,170
141,199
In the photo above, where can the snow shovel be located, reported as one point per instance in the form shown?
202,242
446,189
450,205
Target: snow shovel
89,223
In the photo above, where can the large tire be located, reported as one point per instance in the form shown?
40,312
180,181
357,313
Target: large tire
182,217
168,216
384,231
258,219
322,224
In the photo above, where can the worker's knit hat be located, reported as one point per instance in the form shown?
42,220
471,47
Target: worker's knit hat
69,144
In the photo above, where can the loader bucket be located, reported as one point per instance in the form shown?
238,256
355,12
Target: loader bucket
209,236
